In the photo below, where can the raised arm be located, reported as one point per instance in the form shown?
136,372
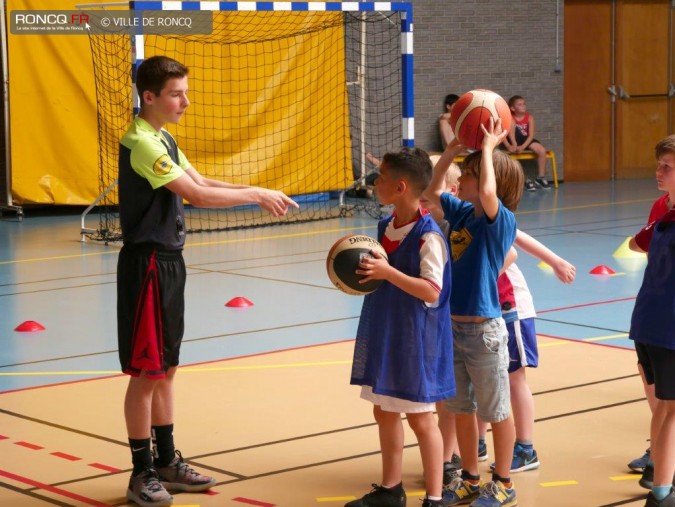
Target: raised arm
487,184
565,271
435,188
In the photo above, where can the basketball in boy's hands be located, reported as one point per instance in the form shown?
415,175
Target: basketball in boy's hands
343,261
473,109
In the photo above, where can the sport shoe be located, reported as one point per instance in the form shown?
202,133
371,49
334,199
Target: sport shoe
668,501
451,469
530,186
381,497
146,490
495,494
523,459
638,464
482,450
543,182
432,503
460,492
178,476
647,479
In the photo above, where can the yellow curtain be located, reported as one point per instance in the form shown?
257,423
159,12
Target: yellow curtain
301,147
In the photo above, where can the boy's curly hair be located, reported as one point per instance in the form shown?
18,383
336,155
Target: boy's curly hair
412,164
508,175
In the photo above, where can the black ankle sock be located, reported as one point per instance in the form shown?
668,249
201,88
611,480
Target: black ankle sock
162,445
141,454
469,477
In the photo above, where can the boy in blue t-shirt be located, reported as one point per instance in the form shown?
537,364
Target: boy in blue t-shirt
483,231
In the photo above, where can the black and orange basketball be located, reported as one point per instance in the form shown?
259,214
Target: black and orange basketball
476,108
343,261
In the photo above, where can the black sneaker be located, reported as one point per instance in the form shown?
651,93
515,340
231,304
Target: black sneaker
451,469
530,186
432,503
668,501
381,497
647,479
543,182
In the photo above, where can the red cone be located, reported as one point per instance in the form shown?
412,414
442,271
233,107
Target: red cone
239,302
602,270
29,326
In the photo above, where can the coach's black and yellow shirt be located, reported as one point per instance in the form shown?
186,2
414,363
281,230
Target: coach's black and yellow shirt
150,213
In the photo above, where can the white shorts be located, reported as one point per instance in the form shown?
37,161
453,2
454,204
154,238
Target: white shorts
391,404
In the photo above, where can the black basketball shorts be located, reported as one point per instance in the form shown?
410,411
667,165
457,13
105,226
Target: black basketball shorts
150,309
658,364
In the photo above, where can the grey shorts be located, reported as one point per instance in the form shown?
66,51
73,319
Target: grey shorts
481,370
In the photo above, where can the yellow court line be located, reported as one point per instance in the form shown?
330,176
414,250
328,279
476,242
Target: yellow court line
308,233
335,498
631,477
558,483
560,343
186,369
203,243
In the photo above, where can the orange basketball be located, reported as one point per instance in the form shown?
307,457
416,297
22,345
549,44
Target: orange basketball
473,109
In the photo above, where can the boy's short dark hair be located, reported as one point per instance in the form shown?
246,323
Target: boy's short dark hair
513,99
509,176
665,146
153,73
450,100
412,164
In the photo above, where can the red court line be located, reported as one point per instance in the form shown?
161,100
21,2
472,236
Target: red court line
211,361
210,492
582,342
52,489
101,466
63,455
3,437
584,305
29,445
253,502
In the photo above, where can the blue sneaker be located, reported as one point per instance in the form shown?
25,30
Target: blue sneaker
460,492
482,450
523,459
638,464
495,494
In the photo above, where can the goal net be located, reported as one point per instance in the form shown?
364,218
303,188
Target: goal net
287,96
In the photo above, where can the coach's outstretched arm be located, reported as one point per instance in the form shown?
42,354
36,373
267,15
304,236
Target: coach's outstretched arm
225,195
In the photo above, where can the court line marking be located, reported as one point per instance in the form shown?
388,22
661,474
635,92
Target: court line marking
631,477
198,369
558,483
52,489
307,233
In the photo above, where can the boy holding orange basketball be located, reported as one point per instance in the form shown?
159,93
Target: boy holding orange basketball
652,327
483,228
403,350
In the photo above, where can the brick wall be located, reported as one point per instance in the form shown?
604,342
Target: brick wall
508,47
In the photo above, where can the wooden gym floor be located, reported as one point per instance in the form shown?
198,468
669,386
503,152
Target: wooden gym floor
263,396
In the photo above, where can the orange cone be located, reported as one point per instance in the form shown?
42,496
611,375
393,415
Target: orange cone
29,326
602,270
239,302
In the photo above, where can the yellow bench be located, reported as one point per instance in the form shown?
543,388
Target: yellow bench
529,155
